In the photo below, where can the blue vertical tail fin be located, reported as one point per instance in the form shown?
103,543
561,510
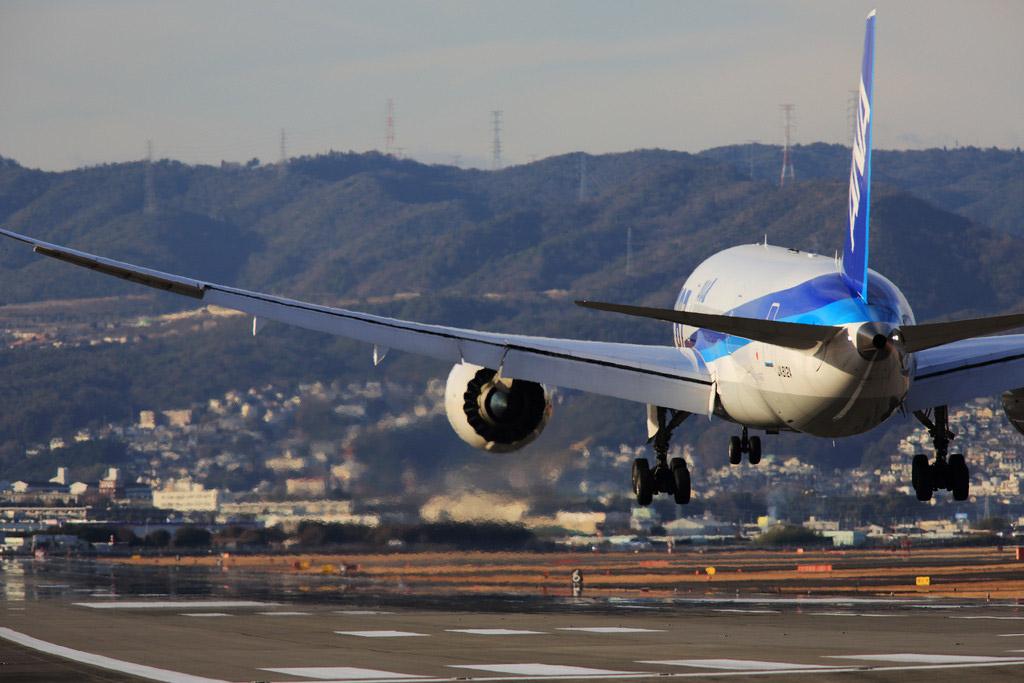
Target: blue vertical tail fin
855,252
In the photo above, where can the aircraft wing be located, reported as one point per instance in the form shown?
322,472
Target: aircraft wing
957,372
659,375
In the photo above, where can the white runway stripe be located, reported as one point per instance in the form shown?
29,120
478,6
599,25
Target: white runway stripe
205,614
853,614
175,604
284,614
610,629
109,663
360,612
1011,635
350,673
380,634
918,658
494,631
747,611
536,669
737,664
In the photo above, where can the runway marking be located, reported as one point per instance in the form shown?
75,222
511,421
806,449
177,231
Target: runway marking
360,612
380,634
854,614
916,658
341,672
747,611
537,669
838,602
205,614
738,664
140,670
1011,635
284,614
494,631
174,604
610,629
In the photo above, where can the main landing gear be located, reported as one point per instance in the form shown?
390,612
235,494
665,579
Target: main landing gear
738,445
952,474
667,477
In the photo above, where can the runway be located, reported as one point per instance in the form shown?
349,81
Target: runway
58,616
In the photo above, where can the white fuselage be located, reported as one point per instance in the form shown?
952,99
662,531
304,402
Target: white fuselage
829,390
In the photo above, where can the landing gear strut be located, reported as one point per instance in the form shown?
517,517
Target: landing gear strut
950,474
738,445
666,477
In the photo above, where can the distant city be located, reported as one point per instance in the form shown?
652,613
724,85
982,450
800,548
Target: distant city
241,458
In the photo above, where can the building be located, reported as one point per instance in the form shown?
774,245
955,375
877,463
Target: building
312,487
178,418
186,496
112,485
147,419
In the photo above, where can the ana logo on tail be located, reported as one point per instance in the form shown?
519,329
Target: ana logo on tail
859,159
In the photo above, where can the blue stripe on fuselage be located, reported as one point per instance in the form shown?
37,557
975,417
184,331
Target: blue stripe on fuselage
824,300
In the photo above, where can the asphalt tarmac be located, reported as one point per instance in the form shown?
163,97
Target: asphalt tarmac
83,621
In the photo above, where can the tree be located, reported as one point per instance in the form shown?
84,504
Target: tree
160,538
191,537
788,535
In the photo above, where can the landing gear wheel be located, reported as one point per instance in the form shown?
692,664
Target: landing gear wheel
643,482
959,476
735,450
921,477
754,455
681,478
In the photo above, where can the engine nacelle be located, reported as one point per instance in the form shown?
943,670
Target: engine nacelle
1013,405
494,413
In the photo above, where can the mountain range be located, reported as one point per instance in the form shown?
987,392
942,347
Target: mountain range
499,250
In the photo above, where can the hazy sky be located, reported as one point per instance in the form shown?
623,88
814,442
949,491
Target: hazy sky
89,82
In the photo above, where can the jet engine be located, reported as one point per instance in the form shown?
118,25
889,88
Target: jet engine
1013,405
494,413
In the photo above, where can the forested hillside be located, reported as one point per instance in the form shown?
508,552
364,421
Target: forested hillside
479,247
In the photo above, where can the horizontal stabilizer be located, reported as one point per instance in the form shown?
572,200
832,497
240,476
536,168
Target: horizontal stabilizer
790,335
930,335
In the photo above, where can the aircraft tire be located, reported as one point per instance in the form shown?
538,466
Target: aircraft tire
735,450
643,482
918,470
960,477
681,477
754,455
922,477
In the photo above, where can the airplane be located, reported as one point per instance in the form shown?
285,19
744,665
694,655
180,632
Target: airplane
769,338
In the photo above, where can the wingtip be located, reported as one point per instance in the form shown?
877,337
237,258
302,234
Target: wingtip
871,14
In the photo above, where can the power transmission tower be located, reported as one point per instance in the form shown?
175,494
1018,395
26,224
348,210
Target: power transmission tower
750,156
787,160
582,192
496,138
629,251
149,205
282,164
389,127
852,102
